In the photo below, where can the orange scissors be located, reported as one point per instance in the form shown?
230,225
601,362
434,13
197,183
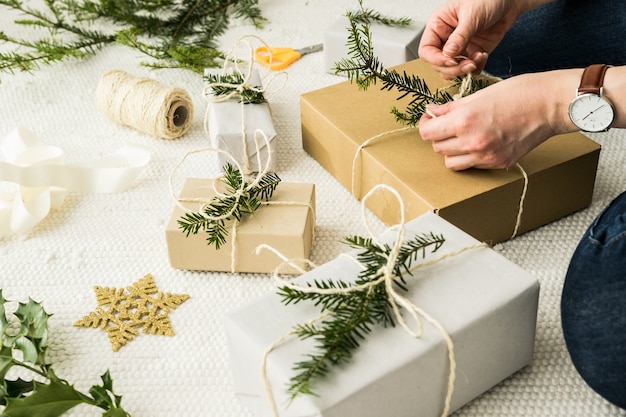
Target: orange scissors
281,58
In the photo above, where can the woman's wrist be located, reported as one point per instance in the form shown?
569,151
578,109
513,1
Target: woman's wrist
552,92
566,82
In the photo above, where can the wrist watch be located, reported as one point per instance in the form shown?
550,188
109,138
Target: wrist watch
590,111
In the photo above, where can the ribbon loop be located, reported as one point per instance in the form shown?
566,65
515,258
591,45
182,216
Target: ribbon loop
40,178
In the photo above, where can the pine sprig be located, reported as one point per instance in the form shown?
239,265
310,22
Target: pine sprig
364,69
225,84
370,15
23,344
221,210
351,312
173,33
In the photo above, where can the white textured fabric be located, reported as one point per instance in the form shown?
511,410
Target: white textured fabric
115,239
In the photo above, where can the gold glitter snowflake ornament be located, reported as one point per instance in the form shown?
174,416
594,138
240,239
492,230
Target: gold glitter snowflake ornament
121,312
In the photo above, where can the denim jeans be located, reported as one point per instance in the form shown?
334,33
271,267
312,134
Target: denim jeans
563,34
593,304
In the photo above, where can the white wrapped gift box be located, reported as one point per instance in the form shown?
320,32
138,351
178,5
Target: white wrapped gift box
247,146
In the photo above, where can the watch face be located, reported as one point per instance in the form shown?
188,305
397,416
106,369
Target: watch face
591,113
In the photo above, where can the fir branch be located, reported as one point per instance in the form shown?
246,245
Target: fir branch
224,209
364,69
247,95
352,313
369,15
174,33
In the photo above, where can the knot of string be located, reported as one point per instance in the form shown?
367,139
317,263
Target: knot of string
395,299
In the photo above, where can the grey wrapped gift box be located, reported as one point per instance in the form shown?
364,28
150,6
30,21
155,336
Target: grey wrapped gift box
487,304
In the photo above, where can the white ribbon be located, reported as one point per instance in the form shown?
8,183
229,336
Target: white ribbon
42,179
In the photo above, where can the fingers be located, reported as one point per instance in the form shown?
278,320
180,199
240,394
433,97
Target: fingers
457,42
460,152
452,67
448,49
433,126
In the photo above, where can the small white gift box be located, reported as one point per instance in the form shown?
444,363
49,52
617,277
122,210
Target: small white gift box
244,132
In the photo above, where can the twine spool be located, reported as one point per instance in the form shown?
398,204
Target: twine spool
144,104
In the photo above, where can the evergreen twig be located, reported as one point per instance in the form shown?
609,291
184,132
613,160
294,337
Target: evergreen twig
214,217
227,84
352,312
173,33
364,69
369,15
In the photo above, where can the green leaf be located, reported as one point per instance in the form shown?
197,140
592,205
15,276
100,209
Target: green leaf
6,360
50,400
19,387
115,412
3,319
32,336
29,351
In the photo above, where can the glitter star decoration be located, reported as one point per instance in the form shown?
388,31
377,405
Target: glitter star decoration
123,312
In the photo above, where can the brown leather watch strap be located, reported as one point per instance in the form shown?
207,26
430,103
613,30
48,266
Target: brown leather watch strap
592,79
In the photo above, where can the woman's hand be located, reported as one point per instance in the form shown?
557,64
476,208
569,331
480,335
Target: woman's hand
466,28
498,125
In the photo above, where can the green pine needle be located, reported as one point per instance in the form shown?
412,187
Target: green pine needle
172,33
353,313
364,69
247,95
215,216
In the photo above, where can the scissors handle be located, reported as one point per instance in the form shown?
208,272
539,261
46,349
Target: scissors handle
276,58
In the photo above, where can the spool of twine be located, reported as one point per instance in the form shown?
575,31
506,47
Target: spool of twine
144,104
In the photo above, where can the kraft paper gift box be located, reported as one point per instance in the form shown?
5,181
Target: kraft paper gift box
339,119
286,227
225,131
487,305
393,45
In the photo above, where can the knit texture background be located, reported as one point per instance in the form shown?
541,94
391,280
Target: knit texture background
115,239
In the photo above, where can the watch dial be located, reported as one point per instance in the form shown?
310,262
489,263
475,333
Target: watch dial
592,113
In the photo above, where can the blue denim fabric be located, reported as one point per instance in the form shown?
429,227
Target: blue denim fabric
593,304
563,34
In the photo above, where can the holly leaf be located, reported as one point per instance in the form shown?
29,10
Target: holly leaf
46,400
6,360
31,338
104,396
17,388
115,412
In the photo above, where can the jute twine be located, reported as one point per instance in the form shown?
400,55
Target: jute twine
144,104
396,300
